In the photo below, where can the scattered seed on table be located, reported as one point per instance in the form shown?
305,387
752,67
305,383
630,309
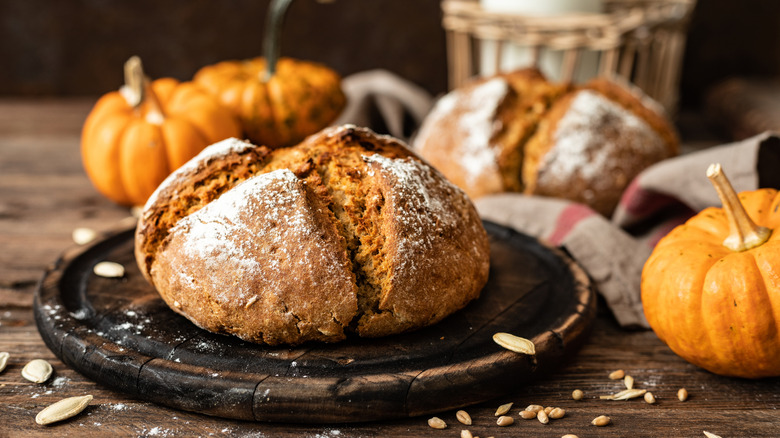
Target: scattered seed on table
617,375
557,413
682,394
505,420
503,409
437,423
601,420
577,394
527,415
463,417
649,398
542,417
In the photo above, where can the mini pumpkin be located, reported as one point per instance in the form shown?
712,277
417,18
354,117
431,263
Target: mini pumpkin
711,287
133,138
281,109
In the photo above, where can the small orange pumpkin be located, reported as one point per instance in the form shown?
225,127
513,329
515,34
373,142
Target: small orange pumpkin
133,138
298,99
711,287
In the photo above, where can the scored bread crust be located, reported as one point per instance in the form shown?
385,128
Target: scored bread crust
348,232
519,132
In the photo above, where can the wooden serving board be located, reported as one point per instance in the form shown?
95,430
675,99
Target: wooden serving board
118,332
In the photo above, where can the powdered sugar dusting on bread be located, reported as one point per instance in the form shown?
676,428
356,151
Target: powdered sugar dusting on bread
476,125
420,201
217,150
272,207
583,145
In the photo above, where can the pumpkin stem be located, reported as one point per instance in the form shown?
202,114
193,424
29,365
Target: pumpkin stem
133,89
138,89
744,234
273,36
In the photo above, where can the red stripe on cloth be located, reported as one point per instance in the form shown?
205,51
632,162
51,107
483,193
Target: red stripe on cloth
567,220
639,203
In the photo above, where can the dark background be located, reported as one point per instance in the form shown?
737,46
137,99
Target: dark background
77,47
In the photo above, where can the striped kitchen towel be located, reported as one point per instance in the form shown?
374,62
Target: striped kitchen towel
613,251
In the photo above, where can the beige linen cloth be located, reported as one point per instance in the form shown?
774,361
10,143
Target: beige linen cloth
612,251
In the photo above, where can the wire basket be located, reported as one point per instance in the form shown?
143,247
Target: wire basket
640,41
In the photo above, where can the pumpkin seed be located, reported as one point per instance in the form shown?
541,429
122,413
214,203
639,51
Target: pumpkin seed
527,415
515,343
109,270
626,394
710,435
649,398
577,394
682,394
505,421
3,360
503,409
542,417
437,423
629,382
534,408
37,371
465,433
463,417
63,409
83,236
601,420
557,413
617,375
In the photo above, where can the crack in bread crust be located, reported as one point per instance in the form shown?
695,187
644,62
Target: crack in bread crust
349,185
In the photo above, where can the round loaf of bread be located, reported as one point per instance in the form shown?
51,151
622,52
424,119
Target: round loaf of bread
518,132
347,232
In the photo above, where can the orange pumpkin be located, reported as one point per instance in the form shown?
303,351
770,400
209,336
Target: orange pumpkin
298,99
133,138
711,287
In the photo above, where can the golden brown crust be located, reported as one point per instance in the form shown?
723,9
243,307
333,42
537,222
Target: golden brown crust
375,241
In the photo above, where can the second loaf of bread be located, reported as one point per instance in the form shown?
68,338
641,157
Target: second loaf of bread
347,232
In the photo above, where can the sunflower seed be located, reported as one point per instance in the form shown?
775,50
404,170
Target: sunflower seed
577,394
542,417
682,394
109,270
37,371
505,421
617,375
557,413
437,423
601,420
649,398
83,236
3,360
515,343
629,382
463,417
503,409
63,409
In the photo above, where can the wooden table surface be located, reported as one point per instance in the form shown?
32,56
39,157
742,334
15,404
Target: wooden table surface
45,195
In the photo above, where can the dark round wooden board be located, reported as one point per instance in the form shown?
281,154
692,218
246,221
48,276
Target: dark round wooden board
118,332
